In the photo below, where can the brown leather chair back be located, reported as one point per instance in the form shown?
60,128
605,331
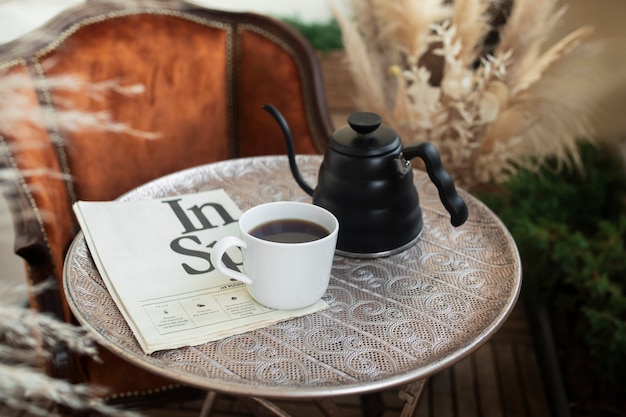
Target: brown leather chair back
205,76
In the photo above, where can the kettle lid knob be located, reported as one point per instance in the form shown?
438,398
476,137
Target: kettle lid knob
364,122
365,136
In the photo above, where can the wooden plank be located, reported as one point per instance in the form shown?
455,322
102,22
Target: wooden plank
442,397
487,382
510,382
515,329
423,408
373,404
532,382
465,389
391,400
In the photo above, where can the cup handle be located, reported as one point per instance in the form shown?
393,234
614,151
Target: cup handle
220,248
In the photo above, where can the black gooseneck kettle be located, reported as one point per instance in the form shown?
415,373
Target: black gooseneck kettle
366,181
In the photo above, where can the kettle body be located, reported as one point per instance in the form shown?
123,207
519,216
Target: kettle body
377,208
366,181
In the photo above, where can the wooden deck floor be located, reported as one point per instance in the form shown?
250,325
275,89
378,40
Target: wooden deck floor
501,379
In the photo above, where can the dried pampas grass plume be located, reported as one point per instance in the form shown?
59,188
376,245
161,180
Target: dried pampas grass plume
491,107
469,17
25,338
403,20
15,107
363,75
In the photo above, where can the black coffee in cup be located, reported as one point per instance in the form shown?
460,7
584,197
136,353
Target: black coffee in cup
289,231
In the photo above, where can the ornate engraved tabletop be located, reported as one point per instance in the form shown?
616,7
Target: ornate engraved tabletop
391,320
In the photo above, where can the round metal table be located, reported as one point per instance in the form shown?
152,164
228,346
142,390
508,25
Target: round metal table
391,320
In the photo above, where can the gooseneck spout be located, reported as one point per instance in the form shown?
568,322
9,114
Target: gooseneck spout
291,152
442,180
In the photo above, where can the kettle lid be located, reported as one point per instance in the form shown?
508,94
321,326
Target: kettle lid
365,136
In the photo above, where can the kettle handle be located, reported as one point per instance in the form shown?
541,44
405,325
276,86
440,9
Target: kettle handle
442,180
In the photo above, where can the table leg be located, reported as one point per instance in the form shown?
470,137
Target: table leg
263,408
207,405
411,395
328,408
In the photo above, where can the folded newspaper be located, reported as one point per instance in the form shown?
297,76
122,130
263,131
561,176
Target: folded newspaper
155,259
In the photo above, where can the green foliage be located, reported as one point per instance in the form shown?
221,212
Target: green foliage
570,229
323,36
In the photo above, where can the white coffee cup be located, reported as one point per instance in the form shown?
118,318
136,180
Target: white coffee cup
285,276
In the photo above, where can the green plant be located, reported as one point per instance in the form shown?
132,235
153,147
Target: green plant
324,36
570,229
